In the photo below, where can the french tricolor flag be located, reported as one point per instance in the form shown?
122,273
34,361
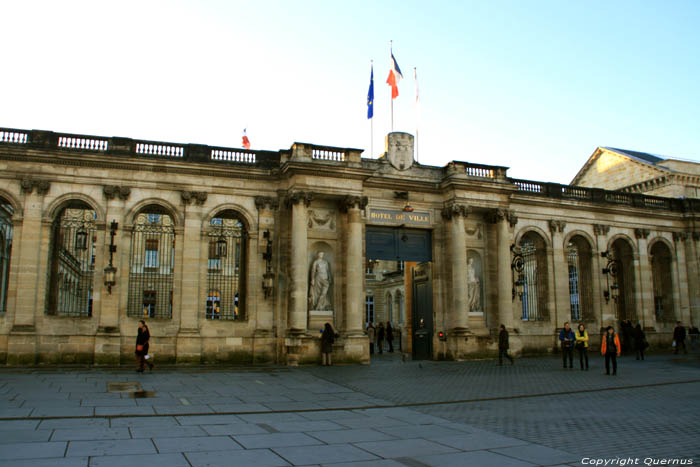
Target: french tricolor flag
246,141
394,77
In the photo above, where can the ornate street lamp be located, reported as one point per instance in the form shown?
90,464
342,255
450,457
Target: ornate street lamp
110,271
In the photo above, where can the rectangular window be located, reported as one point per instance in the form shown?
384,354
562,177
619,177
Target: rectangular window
369,308
151,259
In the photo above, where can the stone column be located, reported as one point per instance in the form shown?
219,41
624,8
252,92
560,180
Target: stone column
25,264
645,283
458,258
299,202
503,219
189,345
354,275
107,339
691,262
562,300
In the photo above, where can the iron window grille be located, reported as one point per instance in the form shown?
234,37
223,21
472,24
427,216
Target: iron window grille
6,212
226,268
72,262
152,265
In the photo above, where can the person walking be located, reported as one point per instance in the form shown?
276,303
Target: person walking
679,338
611,349
327,339
390,336
640,342
567,338
503,346
371,335
142,339
380,338
582,345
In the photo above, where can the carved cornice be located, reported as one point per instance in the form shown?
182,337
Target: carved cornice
28,185
295,197
601,229
556,225
112,191
641,233
198,197
271,203
495,216
453,209
683,236
350,202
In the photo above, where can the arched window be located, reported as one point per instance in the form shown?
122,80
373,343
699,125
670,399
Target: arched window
226,267
579,259
534,251
369,308
663,283
6,212
152,264
72,261
624,279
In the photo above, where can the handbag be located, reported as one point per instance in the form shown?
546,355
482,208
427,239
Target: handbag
139,347
673,344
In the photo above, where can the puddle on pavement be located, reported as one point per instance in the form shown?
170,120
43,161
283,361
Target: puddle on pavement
124,386
142,394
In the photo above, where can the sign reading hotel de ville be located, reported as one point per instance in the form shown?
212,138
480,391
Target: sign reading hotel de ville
394,216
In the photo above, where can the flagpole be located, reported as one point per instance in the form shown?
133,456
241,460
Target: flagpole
415,80
371,120
391,98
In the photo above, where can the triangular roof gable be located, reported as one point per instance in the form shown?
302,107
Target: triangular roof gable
645,158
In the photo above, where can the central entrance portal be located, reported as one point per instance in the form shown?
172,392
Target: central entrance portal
399,287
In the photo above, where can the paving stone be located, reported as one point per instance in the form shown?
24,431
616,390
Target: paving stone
166,432
182,409
14,412
24,436
305,455
316,425
150,460
480,458
48,462
206,443
110,448
479,440
63,412
95,433
404,448
107,411
11,425
538,454
253,457
275,440
377,463
11,451
350,436
53,423
239,408
420,431
141,422
373,422
208,419
271,417
234,429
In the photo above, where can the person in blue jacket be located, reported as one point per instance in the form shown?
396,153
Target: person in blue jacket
567,338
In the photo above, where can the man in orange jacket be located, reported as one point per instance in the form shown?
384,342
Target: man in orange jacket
611,349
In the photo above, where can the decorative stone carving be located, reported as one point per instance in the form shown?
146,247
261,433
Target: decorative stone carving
496,215
474,282
295,197
321,219
320,284
475,231
399,150
683,236
351,201
641,233
28,185
262,201
112,191
455,209
199,197
601,229
556,225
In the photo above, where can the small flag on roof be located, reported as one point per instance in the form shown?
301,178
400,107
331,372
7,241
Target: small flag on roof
394,77
246,141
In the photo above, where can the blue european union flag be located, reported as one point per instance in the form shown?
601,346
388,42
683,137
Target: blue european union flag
370,96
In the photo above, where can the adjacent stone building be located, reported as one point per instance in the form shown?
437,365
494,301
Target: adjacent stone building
241,256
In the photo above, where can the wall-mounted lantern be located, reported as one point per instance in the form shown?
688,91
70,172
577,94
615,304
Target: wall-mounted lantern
268,282
517,265
81,239
110,271
610,270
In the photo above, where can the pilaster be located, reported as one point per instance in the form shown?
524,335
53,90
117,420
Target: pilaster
503,219
455,213
299,201
562,300
644,280
354,274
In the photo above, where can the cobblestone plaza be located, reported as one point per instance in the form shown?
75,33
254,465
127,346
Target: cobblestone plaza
391,413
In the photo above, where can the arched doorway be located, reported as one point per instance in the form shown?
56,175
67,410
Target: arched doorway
535,278
663,282
579,259
624,279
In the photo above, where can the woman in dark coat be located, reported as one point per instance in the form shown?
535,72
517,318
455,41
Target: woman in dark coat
390,336
327,339
142,339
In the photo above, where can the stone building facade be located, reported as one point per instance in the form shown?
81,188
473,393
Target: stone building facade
241,256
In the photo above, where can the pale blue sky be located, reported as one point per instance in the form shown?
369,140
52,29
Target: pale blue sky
532,85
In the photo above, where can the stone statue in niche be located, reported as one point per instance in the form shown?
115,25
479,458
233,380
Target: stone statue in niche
473,286
320,284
